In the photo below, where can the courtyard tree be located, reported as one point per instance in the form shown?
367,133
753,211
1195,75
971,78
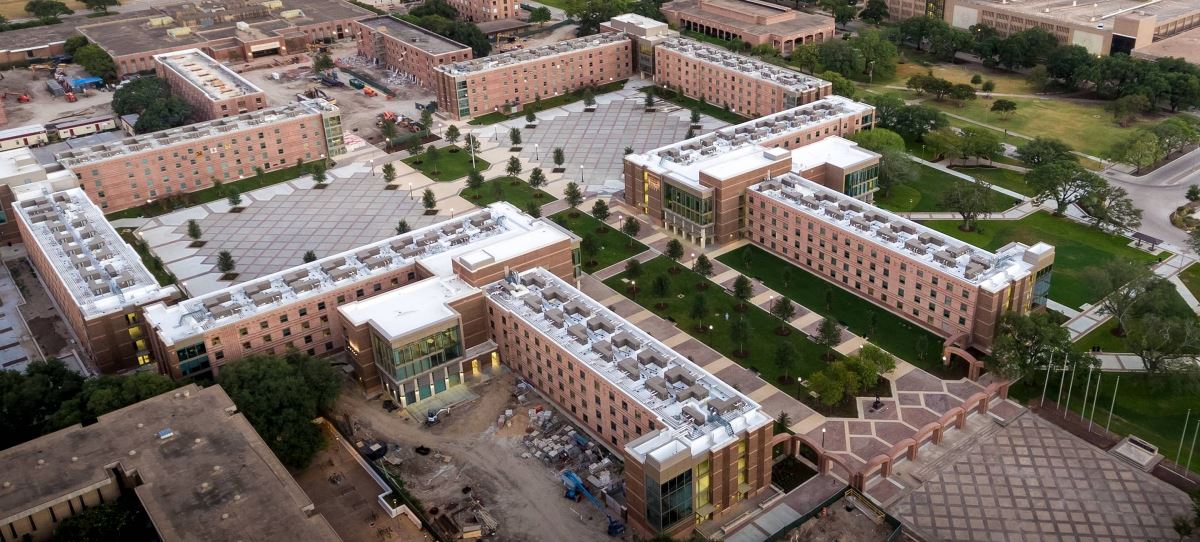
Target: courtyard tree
675,253
806,57
785,358
317,170
739,333
452,134
475,181
1126,108
649,98
280,396
981,144
1044,150
539,15
559,157
1175,135
829,390
193,230
389,173
1122,284
588,247
471,142
878,140
432,154
225,262
322,63
1193,193
589,97
841,85
310,256
703,266
695,116
429,200
514,136
234,198
970,201
530,116
962,93
533,209
895,169
1141,149
1026,343
537,179
1063,182
633,269
875,12
742,291
600,210
699,311
945,143
416,148
784,311
402,227
1109,207
1004,108
631,227
829,335
1164,343
661,288
47,8
514,166
574,197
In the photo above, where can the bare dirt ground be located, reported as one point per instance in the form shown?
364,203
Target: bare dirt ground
47,326
44,107
561,33
468,451
839,525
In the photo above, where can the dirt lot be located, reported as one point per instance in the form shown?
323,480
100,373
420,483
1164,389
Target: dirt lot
45,107
839,525
468,451
47,326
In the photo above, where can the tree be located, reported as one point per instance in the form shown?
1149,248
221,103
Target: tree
742,291
389,172
47,8
589,97
1110,206
841,12
123,519
322,63
310,256
1038,78
784,311
785,358
1004,108
981,143
895,169
699,310
878,140
1193,193
432,153
946,143
225,262
533,209
96,61
588,248
539,15
631,227
1044,150
969,200
1068,64
193,230
1175,134
1064,182
829,390
948,41
807,57
429,200
475,181
1126,108
600,210
73,44
914,30
452,134
107,393
234,198
976,79
514,135
1183,526
1142,149
912,121
1121,283
165,113
649,98
280,396
633,268
628,150
537,179
590,13
415,148
829,334
703,266
530,116
1164,344
661,287
875,12
879,54
674,252
695,118
739,333
988,87
573,195
471,142
559,157
1026,343
135,96
402,227
317,171
514,166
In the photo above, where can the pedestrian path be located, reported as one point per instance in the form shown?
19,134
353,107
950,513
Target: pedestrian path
950,171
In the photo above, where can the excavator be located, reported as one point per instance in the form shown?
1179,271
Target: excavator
576,491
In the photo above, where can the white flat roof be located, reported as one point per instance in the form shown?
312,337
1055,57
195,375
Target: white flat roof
102,273
482,234
202,71
415,306
833,150
788,79
698,410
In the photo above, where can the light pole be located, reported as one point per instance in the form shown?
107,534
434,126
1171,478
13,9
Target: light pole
471,145
580,173
535,153
822,439
410,190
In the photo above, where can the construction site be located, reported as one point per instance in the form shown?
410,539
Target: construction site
46,94
499,462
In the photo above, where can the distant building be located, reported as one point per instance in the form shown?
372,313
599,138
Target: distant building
753,21
187,456
646,34
1185,45
479,11
22,174
747,86
213,90
696,188
407,48
147,167
507,81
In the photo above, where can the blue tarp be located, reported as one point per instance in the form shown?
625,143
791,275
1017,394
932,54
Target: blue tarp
87,81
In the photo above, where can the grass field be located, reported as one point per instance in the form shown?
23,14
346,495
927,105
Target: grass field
890,332
613,245
1191,279
1102,338
1004,178
705,108
448,166
925,194
1077,247
510,189
678,304
1006,82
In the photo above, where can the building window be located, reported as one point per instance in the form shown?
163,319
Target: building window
669,503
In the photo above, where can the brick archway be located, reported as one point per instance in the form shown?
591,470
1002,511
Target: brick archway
825,460
951,349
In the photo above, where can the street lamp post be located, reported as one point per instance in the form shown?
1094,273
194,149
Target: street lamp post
535,153
580,173
822,439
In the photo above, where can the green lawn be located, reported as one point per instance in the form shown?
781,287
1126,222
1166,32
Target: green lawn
925,194
892,333
1004,178
155,265
1006,82
546,103
1151,407
684,287
613,245
711,110
1103,338
560,4
448,166
1077,247
1087,127
212,193
1191,279
510,189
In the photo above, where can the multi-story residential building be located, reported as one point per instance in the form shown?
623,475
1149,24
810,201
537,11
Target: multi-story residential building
696,188
188,457
227,30
213,90
146,167
20,176
96,280
408,48
1106,27
506,81
693,446
753,21
478,11
646,33
749,87
339,302
951,288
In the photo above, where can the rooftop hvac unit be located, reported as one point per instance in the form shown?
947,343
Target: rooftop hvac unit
243,26
272,4
179,31
291,14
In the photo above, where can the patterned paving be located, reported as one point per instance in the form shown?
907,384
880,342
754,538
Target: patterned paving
1034,481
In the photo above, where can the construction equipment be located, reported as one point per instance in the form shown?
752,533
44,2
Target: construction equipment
22,98
330,81
313,93
576,490
356,83
386,116
71,97
433,416
36,67
370,92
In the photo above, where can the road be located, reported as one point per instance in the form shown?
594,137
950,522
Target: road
1160,192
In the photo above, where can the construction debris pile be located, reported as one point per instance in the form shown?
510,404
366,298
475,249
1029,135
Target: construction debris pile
552,439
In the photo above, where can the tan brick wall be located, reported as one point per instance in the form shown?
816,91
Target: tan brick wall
743,94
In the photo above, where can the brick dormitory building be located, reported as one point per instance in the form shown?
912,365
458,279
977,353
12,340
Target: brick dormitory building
213,90
407,48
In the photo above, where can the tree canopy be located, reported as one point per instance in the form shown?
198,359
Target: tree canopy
150,98
96,61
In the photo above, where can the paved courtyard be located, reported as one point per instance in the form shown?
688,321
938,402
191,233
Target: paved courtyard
282,222
1034,481
597,140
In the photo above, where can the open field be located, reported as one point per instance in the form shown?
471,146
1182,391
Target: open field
451,163
1004,178
612,245
1077,247
926,193
1006,82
